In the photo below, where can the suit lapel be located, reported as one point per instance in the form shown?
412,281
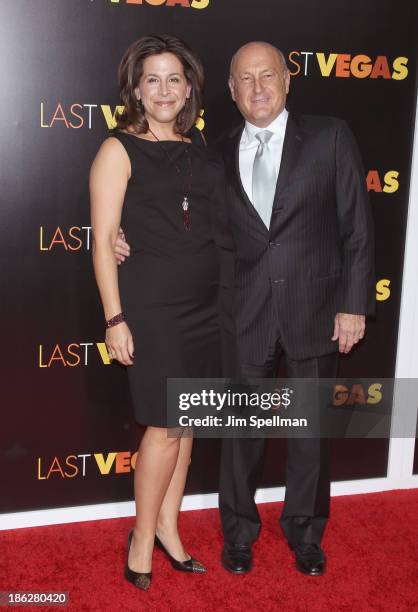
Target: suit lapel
291,148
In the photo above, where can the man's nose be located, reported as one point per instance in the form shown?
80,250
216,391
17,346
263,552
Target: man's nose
257,86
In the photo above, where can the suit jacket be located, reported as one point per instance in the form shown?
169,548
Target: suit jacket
317,258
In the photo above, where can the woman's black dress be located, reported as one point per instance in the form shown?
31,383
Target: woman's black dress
169,286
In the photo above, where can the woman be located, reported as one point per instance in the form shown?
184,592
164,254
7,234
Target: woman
168,303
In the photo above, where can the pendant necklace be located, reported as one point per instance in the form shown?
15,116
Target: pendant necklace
185,205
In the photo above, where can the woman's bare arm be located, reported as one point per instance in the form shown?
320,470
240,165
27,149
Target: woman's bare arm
109,177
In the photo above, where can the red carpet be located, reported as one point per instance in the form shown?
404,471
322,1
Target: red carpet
371,544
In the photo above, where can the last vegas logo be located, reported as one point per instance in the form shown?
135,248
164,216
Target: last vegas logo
347,65
74,238
63,355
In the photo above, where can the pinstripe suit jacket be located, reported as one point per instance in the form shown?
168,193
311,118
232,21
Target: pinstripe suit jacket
317,257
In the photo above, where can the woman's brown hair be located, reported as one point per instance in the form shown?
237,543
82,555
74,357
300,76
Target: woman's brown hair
131,69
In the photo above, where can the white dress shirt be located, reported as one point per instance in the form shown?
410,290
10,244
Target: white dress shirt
249,145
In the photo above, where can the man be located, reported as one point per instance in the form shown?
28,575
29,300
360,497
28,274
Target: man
302,228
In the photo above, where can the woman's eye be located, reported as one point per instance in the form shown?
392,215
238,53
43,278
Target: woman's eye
152,80
175,80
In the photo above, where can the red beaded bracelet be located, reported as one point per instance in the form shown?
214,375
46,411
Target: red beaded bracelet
119,318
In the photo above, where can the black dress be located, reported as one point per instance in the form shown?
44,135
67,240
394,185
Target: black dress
170,284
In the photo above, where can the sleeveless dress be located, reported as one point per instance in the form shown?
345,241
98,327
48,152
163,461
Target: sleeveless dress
169,284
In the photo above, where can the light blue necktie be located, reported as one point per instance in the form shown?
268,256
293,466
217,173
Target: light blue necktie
264,177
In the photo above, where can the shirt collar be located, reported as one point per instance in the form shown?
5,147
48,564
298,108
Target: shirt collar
278,127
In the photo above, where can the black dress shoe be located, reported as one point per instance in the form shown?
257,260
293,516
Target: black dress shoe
191,565
310,559
237,558
139,579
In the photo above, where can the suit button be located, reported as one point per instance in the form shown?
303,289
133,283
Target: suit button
278,280
273,245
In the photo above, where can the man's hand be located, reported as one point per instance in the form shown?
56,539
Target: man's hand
121,247
348,329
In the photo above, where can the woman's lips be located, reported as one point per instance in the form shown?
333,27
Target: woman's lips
162,104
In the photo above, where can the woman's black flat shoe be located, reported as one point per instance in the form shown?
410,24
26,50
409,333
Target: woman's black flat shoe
139,579
191,565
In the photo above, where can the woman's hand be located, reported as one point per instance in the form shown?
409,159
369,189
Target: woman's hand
122,248
120,344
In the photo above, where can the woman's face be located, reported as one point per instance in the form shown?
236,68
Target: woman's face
163,88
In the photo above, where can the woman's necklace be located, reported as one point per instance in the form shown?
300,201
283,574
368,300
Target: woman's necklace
187,184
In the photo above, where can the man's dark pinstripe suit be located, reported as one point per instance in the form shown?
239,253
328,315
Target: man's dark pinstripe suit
315,260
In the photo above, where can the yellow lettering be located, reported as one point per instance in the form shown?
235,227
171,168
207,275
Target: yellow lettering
104,466
39,470
41,365
375,394
41,241
200,122
391,181
326,66
110,118
400,71
103,353
382,290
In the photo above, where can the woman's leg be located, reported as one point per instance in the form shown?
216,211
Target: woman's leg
167,528
156,462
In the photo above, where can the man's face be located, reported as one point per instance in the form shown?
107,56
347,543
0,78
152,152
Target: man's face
259,83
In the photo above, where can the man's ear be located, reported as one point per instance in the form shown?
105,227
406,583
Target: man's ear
287,81
231,87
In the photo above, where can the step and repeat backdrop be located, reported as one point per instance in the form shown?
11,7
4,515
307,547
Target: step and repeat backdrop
67,433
